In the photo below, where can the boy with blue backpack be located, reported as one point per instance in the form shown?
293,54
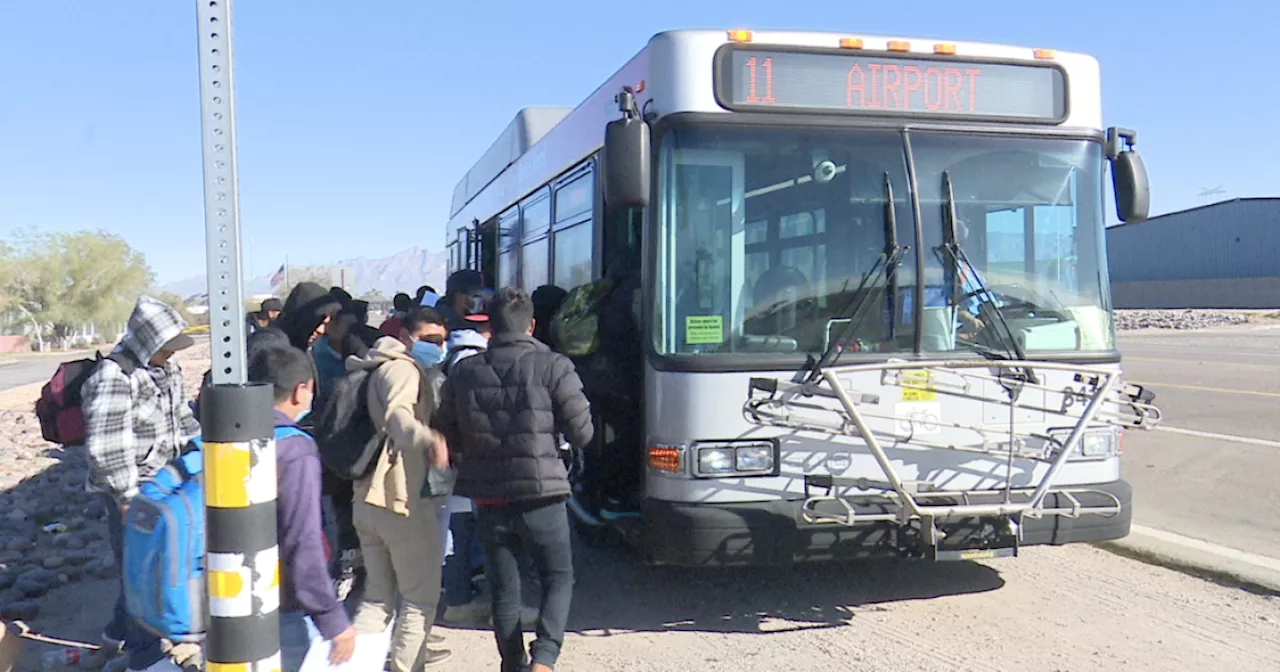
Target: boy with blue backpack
163,537
306,589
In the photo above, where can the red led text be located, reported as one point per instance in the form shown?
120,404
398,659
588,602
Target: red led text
891,86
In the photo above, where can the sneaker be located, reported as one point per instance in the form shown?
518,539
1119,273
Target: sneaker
436,656
434,638
111,645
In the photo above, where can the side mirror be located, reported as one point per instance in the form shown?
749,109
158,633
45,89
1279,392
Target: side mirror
626,162
1128,176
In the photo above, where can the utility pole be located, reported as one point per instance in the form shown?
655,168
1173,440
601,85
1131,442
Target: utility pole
242,557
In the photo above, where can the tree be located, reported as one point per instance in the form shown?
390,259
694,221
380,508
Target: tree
61,282
175,302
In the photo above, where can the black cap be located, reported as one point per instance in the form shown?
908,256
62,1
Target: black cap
466,281
272,304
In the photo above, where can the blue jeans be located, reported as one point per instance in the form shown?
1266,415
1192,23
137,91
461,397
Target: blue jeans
142,646
468,554
295,641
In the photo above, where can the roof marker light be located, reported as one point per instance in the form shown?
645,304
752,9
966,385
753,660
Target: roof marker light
945,49
899,45
851,43
1046,53
740,36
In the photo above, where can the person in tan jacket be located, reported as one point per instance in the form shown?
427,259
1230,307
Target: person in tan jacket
397,525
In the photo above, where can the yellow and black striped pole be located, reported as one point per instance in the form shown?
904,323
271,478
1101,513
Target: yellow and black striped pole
243,558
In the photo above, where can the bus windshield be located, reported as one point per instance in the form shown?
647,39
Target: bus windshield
766,236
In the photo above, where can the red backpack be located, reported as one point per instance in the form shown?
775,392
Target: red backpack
58,408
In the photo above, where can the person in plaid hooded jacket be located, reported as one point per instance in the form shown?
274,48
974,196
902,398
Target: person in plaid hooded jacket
135,424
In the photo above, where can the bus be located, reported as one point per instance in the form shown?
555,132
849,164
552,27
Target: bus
850,294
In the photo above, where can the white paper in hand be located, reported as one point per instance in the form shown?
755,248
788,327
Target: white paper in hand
371,652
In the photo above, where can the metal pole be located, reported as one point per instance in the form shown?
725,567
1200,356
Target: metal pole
243,560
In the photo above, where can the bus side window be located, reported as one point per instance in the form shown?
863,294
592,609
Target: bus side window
535,226
509,248
573,239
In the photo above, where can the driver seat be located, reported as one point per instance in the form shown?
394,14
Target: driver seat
778,285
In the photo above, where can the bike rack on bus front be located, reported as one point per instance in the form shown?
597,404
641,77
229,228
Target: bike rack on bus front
1106,402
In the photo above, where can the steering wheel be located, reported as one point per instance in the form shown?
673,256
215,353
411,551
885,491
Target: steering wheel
1011,305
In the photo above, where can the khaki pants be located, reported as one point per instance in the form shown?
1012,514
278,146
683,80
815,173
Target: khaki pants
402,560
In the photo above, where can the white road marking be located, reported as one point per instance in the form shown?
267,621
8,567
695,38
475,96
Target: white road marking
1254,559
1219,437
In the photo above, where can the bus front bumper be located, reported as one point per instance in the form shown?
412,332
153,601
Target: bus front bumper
772,533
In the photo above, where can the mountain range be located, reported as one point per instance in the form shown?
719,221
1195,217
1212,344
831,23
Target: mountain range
401,272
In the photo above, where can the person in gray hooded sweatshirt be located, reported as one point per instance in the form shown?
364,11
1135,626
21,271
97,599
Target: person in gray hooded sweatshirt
136,422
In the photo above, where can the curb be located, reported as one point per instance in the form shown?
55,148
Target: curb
1225,566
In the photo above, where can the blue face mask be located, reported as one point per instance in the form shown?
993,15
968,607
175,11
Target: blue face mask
302,415
427,354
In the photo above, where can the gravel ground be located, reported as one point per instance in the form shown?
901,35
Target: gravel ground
1074,608
1130,320
52,532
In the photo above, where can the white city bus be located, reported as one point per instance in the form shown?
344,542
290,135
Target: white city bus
868,289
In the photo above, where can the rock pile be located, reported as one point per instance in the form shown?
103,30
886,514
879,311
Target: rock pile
52,531
1129,320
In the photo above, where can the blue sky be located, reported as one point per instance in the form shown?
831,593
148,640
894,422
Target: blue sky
355,120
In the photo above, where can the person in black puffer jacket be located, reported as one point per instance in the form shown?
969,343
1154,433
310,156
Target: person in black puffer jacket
502,412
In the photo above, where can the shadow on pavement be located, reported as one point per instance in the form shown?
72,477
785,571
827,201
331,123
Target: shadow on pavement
616,592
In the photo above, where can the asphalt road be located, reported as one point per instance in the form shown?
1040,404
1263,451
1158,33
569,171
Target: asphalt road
1210,471
30,369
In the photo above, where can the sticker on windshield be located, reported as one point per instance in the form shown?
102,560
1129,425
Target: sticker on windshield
918,386
704,330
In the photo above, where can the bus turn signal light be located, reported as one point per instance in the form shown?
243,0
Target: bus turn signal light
665,458
740,36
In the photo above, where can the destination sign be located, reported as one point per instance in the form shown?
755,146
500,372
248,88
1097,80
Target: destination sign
759,79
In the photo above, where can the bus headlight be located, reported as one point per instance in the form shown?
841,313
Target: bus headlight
715,461
1094,445
748,458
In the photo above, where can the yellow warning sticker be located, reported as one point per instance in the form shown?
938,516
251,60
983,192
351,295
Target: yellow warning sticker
918,386
704,330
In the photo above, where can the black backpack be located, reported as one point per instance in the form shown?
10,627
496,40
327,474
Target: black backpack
344,430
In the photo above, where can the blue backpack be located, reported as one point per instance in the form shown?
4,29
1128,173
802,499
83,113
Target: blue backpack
163,572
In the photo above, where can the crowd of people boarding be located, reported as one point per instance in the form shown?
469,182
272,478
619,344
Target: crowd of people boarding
460,499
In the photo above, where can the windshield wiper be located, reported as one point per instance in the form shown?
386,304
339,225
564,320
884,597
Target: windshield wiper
959,260
891,243
869,292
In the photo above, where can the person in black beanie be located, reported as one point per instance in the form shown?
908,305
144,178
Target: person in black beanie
306,314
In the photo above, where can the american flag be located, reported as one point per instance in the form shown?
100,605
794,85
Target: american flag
278,277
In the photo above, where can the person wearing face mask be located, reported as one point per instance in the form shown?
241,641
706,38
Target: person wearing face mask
395,520
136,422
